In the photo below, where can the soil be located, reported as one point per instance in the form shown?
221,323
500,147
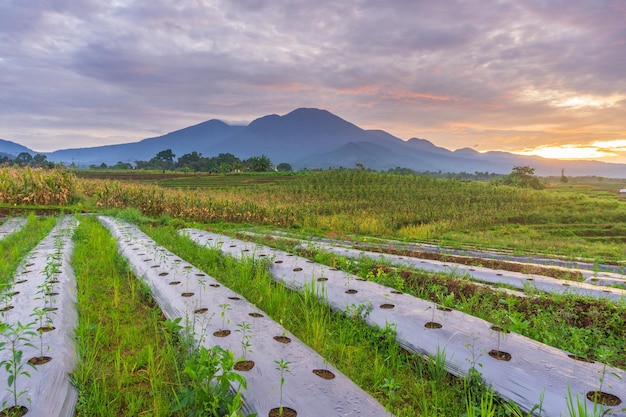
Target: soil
221,333
201,310
243,365
433,325
324,373
282,339
39,360
500,355
14,411
604,398
287,412
486,263
387,306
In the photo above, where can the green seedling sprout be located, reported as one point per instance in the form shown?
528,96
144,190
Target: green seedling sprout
43,319
245,330
225,307
282,367
16,336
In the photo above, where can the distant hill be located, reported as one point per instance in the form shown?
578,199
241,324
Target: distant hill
314,138
13,149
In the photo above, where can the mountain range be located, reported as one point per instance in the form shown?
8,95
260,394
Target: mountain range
313,138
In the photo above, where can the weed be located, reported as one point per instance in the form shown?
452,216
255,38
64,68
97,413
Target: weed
16,336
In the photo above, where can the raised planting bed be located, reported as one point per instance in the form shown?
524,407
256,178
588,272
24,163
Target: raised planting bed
518,368
514,279
12,225
37,330
217,316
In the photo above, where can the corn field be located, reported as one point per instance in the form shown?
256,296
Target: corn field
27,186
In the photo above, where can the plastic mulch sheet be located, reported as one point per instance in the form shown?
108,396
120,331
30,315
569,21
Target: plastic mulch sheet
12,225
207,307
514,279
518,368
44,283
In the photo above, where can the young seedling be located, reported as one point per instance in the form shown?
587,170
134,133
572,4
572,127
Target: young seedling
225,307
282,367
44,321
245,330
16,336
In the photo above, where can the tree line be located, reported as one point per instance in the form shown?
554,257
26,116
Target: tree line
165,160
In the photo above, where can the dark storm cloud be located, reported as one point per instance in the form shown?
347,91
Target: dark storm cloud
454,70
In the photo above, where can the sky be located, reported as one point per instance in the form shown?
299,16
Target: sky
542,77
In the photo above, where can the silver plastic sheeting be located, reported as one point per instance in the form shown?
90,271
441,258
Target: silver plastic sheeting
514,279
183,291
534,372
48,391
12,225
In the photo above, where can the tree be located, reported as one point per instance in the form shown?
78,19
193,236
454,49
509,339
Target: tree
39,160
523,176
284,167
259,163
164,159
23,159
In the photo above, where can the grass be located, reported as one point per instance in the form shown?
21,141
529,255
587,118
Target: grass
129,364
16,246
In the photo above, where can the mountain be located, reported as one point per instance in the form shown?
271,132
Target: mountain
202,138
314,138
13,149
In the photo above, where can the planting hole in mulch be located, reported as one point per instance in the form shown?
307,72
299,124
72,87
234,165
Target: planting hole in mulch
246,250
201,275
26,271
287,412
174,282
351,291
39,360
7,308
580,358
433,325
234,298
11,294
282,339
498,274
472,269
387,306
164,274
255,314
297,269
278,262
322,279
396,292
29,264
51,294
221,333
530,279
187,294
50,309
155,266
334,269
45,329
309,262
262,255
499,329
243,365
442,308
500,355
214,285
361,279
324,373
604,398
21,281
201,310
187,267
14,411
565,285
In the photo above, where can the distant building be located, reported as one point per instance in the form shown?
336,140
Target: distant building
622,192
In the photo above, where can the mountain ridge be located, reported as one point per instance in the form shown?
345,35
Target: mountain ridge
315,138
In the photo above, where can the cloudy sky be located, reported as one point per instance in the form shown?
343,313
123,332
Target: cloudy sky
538,76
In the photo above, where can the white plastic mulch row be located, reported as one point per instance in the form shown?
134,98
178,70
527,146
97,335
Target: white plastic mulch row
12,225
183,291
491,276
534,372
48,391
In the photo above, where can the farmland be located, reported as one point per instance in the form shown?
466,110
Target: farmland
566,221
